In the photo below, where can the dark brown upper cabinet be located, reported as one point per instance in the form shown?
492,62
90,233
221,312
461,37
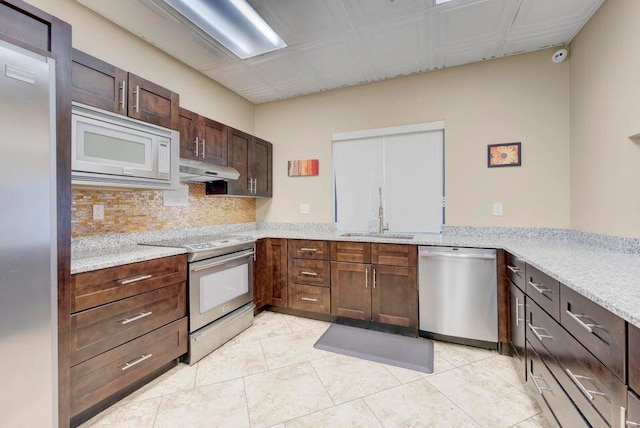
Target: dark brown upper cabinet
202,139
102,85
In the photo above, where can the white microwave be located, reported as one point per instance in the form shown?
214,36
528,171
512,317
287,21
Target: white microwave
116,151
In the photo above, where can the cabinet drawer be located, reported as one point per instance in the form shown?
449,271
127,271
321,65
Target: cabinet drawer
633,410
518,325
310,298
547,389
634,357
99,329
90,289
544,290
600,331
310,272
309,249
351,252
100,377
593,388
515,270
394,255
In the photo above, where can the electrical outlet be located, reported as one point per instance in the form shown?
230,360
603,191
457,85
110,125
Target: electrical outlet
98,212
305,209
497,208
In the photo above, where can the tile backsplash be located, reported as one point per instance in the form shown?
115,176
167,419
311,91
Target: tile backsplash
143,211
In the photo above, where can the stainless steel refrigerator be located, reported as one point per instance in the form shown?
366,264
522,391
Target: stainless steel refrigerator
28,268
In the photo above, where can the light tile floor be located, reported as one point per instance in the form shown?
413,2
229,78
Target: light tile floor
272,376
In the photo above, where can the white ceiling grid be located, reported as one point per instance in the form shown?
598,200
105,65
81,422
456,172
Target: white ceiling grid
337,43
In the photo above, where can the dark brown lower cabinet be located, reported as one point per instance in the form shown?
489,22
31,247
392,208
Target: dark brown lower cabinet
350,293
310,298
517,328
633,410
270,273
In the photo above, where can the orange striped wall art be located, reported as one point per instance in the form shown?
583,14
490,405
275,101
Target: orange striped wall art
302,168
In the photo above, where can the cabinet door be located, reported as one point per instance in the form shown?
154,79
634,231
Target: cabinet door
517,327
152,103
188,128
98,84
395,296
351,290
238,151
277,272
634,358
260,167
214,142
260,277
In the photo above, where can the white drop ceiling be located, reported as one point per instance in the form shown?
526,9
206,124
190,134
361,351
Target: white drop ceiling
339,43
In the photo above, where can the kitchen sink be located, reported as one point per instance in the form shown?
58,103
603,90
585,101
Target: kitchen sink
377,235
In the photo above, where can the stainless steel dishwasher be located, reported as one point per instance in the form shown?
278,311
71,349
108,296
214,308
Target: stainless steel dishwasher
458,295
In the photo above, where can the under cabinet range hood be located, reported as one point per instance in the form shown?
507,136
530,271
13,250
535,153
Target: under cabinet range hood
199,172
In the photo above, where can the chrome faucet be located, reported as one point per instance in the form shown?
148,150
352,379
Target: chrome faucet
381,226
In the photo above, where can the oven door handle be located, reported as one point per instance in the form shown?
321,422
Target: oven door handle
221,262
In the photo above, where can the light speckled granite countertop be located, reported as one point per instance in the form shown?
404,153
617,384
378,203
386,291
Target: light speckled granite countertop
607,276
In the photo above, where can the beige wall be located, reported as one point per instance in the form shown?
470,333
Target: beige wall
605,111
101,38
521,98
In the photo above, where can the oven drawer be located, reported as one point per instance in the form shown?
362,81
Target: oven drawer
310,298
308,249
593,388
546,388
310,272
100,377
351,252
99,329
602,332
515,270
95,288
544,290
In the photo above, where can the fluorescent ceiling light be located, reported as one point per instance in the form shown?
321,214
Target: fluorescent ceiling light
233,23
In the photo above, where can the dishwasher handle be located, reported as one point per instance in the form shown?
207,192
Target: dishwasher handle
458,256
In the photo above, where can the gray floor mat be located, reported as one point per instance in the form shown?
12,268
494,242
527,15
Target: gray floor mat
408,352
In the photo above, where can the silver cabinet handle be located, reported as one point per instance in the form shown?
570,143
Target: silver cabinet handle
221,262
540,337
255,185
307,273
374,278
136,318
309,250
539,287
366,278
203,155
587,392
137,98
133,279
309,299
576,318
196,150
137,361
540,388
123,98
513,269
518,304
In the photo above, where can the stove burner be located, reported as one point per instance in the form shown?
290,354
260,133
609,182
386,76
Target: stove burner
201,247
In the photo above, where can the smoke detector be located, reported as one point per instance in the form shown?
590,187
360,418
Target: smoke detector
559,56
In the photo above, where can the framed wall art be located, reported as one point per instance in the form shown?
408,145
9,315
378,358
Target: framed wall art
505,154
303,168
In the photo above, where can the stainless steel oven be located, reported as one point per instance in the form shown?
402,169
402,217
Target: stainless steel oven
220,289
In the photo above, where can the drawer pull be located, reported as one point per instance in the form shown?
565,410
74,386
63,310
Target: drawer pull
366,278
540,337
309,250
135,362
576,318
539,288
540,388
632,424
514,269
307,273
587,392
133,279
518,319
309,299
136,318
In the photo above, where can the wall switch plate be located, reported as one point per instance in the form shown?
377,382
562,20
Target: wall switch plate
305,209
497,208
98,212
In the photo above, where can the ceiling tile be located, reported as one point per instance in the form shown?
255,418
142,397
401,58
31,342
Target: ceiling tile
451,57
364,12
299,21
341,53
532,42
471,22
548,15
237,77
282,68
